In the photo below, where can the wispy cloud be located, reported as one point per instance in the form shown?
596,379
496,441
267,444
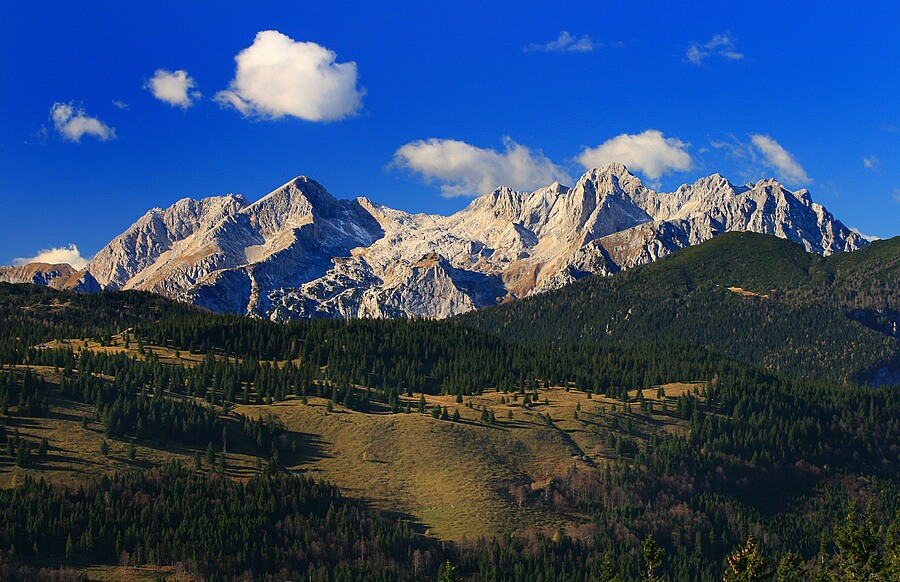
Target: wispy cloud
779,159
871,163
176,88
466,170
73,123
649,152
278,76
897,195
69,254
565,43
720,45
119,104
735,148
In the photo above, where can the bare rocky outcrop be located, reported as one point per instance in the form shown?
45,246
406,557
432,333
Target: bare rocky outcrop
300,252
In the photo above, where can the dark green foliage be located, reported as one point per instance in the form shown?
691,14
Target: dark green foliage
653,560
834,318
858,543
212,525
790,569
780,435
32,314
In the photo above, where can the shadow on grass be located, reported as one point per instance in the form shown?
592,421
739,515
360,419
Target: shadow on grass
59,415
49,460
414,524
310,448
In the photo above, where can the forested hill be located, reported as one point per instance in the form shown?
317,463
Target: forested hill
33,313
755,297
553,453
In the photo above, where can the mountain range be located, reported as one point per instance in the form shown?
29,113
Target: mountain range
299,252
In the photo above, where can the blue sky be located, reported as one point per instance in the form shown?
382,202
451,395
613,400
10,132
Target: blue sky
112,108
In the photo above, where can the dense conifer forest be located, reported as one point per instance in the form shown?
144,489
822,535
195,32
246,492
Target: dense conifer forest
782,464
758,298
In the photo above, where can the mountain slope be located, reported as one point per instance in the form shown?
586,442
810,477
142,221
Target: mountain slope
58,276
300,252
758,298
591,447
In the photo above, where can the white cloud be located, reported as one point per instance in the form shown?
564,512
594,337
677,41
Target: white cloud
73,123
735,148
176,88
719,45
278,76
778,158
119,104
565,43
897,195
466,170
53,256
649,152
872,163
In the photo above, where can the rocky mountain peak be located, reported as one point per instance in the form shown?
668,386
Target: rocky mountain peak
292,205
300,252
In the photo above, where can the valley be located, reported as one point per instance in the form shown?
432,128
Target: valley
454,478
547,437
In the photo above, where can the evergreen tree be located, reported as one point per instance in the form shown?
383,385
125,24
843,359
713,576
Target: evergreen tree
653,559
790,569
746,564
448,572
857,540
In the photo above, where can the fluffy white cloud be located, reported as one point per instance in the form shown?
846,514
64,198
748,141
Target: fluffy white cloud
53,256
778,158
566,43
466,170
278,76
872,163
719,45
73,123
176,88
649,152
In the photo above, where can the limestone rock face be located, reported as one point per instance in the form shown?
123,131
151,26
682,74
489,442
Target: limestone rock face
58,276
300,252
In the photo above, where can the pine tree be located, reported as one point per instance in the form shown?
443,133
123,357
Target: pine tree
857,541
70,547
447,572
653,559
746,564
790,569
